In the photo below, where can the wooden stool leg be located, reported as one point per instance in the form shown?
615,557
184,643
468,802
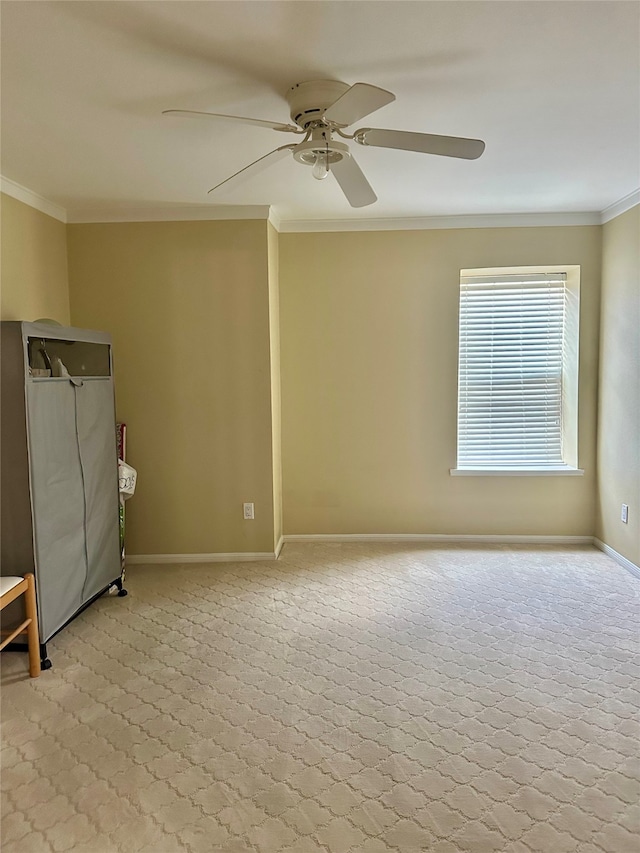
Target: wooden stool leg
33,638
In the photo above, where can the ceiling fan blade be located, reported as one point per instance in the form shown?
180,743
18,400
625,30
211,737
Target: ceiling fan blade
356,103
353,183
254,168
426,143
274,125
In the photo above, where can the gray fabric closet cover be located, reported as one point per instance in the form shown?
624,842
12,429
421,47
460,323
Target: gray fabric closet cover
74,478
58,503
98,455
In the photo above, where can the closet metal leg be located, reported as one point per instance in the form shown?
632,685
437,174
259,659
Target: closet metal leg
45,663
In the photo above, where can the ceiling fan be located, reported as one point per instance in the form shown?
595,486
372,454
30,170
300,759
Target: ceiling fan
321,110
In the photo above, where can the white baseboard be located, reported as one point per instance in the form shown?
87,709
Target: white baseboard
238,557
441,538
434,538
609,551
279,547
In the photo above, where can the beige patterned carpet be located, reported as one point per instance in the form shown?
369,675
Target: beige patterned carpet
348,698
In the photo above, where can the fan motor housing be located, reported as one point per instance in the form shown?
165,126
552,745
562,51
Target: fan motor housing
308,101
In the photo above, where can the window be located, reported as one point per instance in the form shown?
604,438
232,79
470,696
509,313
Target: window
517,371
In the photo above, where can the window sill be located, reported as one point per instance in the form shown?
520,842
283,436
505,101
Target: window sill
517,472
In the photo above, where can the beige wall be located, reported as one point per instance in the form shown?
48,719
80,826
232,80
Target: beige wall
274,338
187,304
619,412
369,384
369,359
34,264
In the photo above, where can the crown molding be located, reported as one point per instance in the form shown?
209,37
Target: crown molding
185,213
430,223
182,213
620,206
27,196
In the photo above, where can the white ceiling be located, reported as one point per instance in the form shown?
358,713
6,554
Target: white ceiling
552,87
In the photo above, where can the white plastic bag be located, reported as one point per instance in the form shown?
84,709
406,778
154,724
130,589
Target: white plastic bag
127,477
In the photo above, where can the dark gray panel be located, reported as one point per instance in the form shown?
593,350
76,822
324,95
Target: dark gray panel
16,536
16,540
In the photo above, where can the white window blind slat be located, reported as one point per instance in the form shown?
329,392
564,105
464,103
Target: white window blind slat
511,357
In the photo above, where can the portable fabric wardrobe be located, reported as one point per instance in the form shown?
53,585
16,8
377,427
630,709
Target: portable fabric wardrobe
59,467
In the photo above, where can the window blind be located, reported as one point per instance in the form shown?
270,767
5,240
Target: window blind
510,371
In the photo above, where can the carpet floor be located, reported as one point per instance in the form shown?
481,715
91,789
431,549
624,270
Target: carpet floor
350,698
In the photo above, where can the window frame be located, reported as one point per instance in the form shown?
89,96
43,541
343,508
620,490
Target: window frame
570,371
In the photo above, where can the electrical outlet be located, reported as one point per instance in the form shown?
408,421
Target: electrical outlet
624,515
247,512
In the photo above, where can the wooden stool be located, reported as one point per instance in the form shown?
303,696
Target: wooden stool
10,589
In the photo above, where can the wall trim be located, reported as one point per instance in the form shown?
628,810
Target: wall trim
428,223
274,219
517,472
610,552
231,557
279,547
469,538
434,538
177,213
620,206
27,196
186,212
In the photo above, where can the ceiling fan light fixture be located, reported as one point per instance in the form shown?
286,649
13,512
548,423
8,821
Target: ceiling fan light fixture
320,155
